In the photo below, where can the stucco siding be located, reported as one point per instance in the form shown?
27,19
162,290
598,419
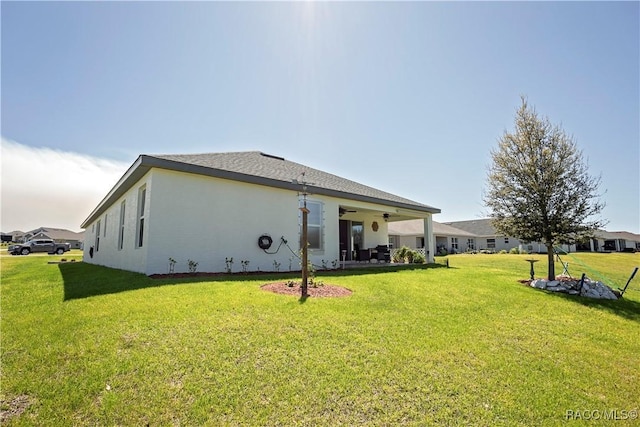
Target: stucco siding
207,219
129,257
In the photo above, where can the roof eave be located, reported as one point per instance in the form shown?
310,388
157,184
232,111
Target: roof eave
144,163
136,171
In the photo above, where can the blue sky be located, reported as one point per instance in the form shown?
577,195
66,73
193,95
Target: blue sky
407,97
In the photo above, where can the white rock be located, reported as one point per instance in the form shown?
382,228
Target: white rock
539,284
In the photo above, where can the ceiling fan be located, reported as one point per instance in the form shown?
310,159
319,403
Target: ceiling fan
342,211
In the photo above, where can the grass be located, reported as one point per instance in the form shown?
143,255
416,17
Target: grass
467,345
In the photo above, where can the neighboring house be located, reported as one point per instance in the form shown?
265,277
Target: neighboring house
16,236
207,208
411,234
57,234
488,239
611,241
479,234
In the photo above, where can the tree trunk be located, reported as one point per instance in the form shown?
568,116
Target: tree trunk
551,261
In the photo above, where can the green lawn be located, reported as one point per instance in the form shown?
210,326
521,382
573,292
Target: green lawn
466,345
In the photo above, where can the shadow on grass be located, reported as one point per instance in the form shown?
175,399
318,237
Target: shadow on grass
622,307
82,280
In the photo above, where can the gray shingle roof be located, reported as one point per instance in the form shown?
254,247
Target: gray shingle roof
276,171
416,227
479,227
58,233
611,235
256,168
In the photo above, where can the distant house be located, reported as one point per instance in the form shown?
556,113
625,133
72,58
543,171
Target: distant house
479,234
411,234
15,236
611,241
58,234
209,208
487,237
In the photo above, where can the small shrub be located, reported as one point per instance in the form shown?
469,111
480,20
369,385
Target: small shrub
228,264
503,251
315,283
401,254
276,266
245,265
409,256
418,258
514,251
192,265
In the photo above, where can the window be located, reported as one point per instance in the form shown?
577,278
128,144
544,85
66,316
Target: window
121,227
419,242
104,233
314,225
506,240
471,244
98,236
454,243
491,243
142,195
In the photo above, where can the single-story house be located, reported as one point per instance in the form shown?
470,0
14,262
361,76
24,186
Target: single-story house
211,208
479,234
611,241
60,235
488,238
410,233
16,236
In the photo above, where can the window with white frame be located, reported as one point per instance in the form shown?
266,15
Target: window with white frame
471,244
454,243
123,206
419,242
315,221
97,236
491,243
142,195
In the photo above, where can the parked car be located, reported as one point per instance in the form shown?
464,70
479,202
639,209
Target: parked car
39,245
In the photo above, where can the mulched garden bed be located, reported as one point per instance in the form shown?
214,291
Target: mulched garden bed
324,291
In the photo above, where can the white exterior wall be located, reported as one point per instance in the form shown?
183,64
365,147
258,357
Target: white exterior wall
408,241
372,238
207,219
130,257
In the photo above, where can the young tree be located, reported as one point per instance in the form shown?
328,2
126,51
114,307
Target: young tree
539,187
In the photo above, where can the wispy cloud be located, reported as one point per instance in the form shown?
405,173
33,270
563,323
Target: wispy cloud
45,187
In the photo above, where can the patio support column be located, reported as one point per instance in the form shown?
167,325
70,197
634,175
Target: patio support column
429,243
